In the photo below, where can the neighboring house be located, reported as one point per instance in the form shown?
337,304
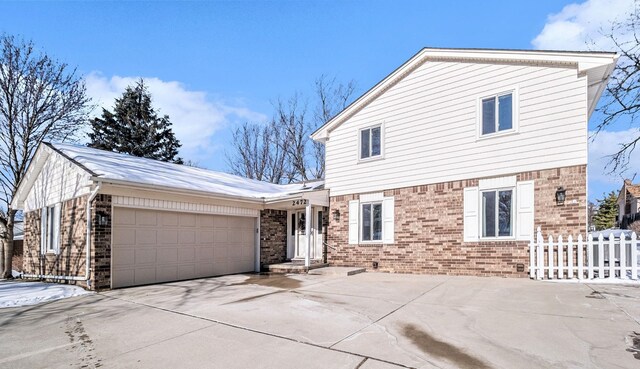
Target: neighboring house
142,221
446,166
449,163
628,204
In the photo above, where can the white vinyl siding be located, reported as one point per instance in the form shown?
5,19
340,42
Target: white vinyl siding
431,119
59,180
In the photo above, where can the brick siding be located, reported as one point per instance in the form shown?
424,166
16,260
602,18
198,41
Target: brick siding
70,261
273,237
429,228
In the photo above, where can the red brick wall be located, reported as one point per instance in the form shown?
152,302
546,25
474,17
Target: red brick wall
429,228
70,261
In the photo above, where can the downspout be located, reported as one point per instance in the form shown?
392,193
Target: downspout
92,196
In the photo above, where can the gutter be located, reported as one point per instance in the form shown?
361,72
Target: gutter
92,196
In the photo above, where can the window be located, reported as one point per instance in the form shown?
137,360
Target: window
370,143
319,229
497,213
371,229
50,232
497,113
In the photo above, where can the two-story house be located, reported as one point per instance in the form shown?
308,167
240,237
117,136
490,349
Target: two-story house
628,204
449,163
446,166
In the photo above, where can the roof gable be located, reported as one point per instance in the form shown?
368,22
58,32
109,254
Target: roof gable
596,65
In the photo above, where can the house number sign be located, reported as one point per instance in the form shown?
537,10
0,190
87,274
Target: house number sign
300,202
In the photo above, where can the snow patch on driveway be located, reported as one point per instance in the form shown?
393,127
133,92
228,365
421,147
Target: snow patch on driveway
14,294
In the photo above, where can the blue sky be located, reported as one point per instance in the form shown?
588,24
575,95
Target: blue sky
212,65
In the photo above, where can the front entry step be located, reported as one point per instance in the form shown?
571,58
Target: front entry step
294,267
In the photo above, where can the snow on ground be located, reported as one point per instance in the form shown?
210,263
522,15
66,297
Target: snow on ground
14,293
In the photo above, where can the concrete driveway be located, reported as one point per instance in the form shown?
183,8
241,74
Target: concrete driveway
366,321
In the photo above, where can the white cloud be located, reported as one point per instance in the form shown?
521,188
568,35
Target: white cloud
603,145
580,26
195,116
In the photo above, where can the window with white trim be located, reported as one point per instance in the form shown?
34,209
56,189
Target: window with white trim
497,113
497,213
50,229
370,142
371,224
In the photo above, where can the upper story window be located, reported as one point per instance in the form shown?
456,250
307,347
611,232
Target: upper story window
497,113
370,143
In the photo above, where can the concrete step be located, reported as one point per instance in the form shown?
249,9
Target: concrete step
291,267
337,271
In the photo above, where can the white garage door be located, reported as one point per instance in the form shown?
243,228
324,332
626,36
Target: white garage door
151,246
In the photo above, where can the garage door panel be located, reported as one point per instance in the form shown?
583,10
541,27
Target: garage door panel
187,220
168,219
125,237
124,277
145,256
125,217
234,236
145,275
205,254
220,268
187,271
168,237
205,237
167,255
157,246
187,237
205,221
220,236
187,254
146,218
146,236
124,257
220,221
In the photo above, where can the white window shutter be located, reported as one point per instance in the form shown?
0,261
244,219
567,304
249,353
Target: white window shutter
524,212
354,216
43,231
387,220
56,228
471,219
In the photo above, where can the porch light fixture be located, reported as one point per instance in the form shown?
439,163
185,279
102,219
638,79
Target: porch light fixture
336,215
103,220
561,195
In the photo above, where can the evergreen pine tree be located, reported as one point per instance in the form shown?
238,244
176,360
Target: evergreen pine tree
607,213
134,128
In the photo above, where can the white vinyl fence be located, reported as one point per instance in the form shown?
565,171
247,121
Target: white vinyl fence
606,256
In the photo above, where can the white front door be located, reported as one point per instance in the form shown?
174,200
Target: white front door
297,238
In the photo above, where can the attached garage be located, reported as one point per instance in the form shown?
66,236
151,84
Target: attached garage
153,246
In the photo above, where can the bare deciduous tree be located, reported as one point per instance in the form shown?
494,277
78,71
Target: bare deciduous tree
333,97
281,151
40,99
622,97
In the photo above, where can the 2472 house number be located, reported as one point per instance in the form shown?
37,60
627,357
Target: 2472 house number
300,202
